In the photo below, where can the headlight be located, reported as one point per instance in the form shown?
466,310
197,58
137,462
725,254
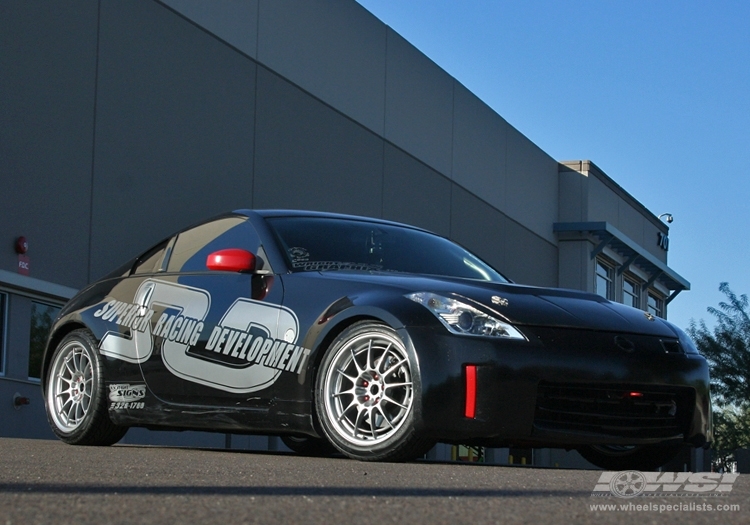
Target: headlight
463,319
687,344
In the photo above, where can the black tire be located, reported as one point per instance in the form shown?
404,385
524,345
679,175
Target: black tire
365,395
75,396
647,457
309,446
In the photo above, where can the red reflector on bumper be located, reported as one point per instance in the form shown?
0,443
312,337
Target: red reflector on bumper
471,391
635,394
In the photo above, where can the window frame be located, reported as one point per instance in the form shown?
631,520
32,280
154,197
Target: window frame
658,309
609,278
4,302
160,251
28,364
637,291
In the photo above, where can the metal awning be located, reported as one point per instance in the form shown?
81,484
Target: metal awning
607,236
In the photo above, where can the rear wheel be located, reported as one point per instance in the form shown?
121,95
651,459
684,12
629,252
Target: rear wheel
76,400
365,395
616,457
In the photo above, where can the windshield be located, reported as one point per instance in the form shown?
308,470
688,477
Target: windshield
325,244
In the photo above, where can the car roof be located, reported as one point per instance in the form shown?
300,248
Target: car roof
322,214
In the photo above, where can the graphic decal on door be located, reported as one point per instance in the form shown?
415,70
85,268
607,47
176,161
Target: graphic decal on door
253,343
180,324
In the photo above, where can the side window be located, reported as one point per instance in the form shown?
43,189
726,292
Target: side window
604,284
193,246
631,292
655,304
42,316
150,261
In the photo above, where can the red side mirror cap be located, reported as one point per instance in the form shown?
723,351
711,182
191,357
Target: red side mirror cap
231,260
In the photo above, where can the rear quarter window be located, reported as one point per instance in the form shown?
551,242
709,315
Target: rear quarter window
193,246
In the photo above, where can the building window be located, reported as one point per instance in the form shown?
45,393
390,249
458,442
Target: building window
3,303
42,316
604,284
631,293
655,305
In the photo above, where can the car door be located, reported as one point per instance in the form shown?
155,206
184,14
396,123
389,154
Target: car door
212,330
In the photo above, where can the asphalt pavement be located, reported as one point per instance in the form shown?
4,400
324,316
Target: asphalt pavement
45,481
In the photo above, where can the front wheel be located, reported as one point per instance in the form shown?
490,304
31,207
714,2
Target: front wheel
365,395
615,457
75,397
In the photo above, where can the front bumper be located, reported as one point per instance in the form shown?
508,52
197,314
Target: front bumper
563,388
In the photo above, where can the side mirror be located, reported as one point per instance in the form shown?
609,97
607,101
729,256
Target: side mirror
231,260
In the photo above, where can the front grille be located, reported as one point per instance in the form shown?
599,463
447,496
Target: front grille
623,411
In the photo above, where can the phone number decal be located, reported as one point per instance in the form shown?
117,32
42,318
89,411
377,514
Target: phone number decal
127,406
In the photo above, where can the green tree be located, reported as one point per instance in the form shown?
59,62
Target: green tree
731,431
727,350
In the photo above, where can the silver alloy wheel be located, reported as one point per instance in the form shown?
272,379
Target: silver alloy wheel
368,388
70,386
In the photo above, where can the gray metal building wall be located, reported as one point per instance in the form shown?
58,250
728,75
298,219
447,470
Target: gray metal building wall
124,120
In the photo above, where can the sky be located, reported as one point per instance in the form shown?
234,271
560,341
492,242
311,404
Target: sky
655,92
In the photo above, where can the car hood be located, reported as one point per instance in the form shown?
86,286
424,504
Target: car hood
527,305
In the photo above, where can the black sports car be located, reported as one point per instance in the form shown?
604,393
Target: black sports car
371,337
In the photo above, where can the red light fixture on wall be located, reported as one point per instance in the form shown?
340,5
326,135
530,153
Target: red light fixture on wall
24,263
22,245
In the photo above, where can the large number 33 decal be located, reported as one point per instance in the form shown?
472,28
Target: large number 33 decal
184,310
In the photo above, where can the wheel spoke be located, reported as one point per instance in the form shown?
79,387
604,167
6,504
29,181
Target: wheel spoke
67,365
359,420
353,403
373,428
356,363
393,368
368,355
350,378
65,385
385,417
66,408
384,359
394,385
394,402
77,361
349,392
